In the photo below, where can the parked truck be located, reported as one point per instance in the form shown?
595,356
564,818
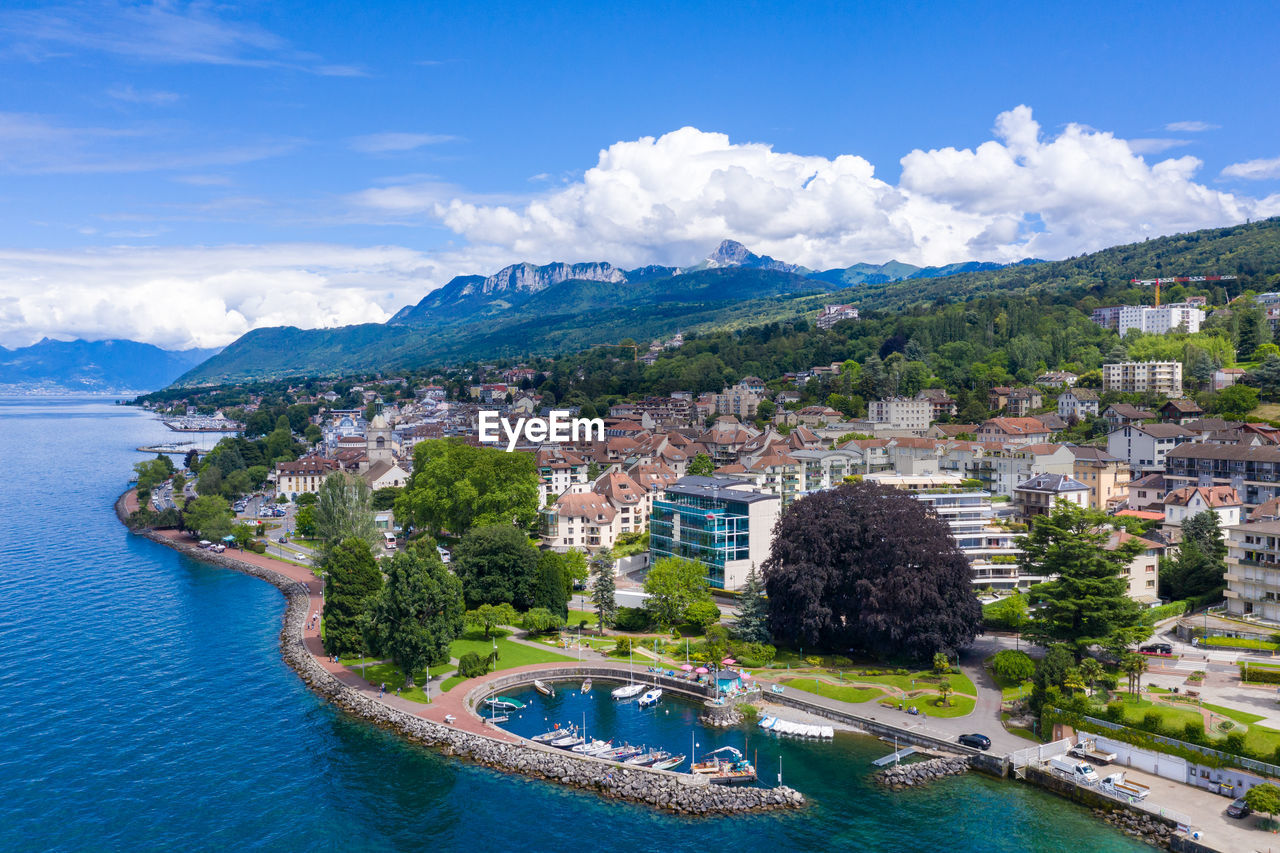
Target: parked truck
1117,784
1081,771
1089,749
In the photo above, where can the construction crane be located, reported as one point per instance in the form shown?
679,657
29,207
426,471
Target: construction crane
1178,279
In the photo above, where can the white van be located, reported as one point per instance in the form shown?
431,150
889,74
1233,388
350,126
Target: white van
1080,771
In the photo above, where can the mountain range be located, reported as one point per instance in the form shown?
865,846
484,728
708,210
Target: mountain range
95,367
527,309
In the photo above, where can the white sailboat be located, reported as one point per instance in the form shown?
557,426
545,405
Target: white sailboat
631,688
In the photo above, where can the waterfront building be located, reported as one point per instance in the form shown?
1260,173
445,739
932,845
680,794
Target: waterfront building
725,524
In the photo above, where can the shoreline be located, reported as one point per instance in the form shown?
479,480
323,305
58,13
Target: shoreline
678,793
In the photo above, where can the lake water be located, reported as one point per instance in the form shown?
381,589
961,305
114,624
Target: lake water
145,707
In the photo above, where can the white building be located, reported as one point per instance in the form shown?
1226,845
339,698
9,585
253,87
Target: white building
1159,320
832,314
1078,403
1145,446
902,413
1181,504
1253,570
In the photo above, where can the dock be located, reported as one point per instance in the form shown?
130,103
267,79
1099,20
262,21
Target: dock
894,758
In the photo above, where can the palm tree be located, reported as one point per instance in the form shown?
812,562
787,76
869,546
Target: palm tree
1134,666
1074,681
1091,671
944,690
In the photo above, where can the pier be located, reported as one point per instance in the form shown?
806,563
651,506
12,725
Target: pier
894,758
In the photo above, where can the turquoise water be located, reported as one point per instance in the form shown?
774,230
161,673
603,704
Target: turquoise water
145,707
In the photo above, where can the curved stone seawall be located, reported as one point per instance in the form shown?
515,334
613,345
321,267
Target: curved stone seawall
681,793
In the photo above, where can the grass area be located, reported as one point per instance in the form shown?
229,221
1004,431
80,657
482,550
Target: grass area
450,683
576,616
386,673
1025,734
509,654
1232,714
922,680
1014,692
1267,411
350,661
843,693
1239,643
960,706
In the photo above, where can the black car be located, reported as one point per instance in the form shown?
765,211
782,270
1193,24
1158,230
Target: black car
976,741
1157,649
1238,808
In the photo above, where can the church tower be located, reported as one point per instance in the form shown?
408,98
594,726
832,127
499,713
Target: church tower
379,446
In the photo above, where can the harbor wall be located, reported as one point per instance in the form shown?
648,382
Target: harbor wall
676,792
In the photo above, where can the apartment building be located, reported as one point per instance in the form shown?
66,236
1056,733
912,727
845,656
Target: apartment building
1106,476
1145,446
739,400
1143,572
303,475
904,413
1253,570
832,314
722,523
1181,504
1038,495
1252,470
559,471
1078,403
1013,431
1159,319
1144,377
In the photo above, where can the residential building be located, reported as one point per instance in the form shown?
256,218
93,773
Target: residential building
385,475
825,469
303,475
1147,493
1252,470
941,403
1122,414
1145,446
1021,402
1180,411
1143,572
902,413
832,314
1181,504
724,524
1144,377
1106,476
559,471
1253,571
738,400
1002,469
1038,495
773,471
1057,379
1109,317
1013,431
1078,403
1159,319
1225,377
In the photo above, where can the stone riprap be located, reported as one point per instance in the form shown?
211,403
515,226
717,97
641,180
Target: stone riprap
902,776
676,792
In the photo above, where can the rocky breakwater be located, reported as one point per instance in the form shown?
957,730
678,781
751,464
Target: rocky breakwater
903,776
719,716
1150,829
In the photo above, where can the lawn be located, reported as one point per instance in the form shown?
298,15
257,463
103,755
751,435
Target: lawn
960,706
1232,714
386,673
922,680
509,654
1239,643
576,616
1014,692
843,693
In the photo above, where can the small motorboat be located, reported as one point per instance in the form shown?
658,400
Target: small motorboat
504,703
586,686
621,753
544,688
626,691
669,763
649,699
554,734
725,766
567,742
593,747
644,759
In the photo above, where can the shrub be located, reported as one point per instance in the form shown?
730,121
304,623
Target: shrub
258,547
540,620
1151,721
1259,675
471,665
622,646
632,619
1193,731
703,614
1013,666
1115,712
749,712
1234,743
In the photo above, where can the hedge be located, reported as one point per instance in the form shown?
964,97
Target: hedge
1259,675
1239,643
1164,611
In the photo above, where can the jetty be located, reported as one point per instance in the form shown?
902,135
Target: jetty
895,757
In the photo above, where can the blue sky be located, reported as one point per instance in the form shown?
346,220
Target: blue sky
180,173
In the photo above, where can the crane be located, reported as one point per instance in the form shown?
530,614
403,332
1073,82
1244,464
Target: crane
1178,279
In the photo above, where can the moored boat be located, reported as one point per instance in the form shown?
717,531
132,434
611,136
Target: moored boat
621,753
626,691
670,763
544,688
644,759
725,766
593,747
504,702
567,742
555,734
586,686
650,698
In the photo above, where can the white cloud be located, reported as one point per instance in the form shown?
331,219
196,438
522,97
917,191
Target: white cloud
669,199
382,143
1155,145
129,94
1254,170
1190,126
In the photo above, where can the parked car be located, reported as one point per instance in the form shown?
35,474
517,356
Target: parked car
976,741
1238,808
1157,649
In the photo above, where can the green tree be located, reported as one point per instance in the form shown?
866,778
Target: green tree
944,691
1012,666
385,498
456,487
496,564
307,499
1087,602
1264,799
673,584
312,433
209,516
243,534
702,613
152,472
417,613
1266,378
1133,666
1199,570
1235,401
575,570
701,466
753,610
540,620
1051,674
305,522
490,616
352,579
603,592
344,510
209,482
549,589
1091,671
941,663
